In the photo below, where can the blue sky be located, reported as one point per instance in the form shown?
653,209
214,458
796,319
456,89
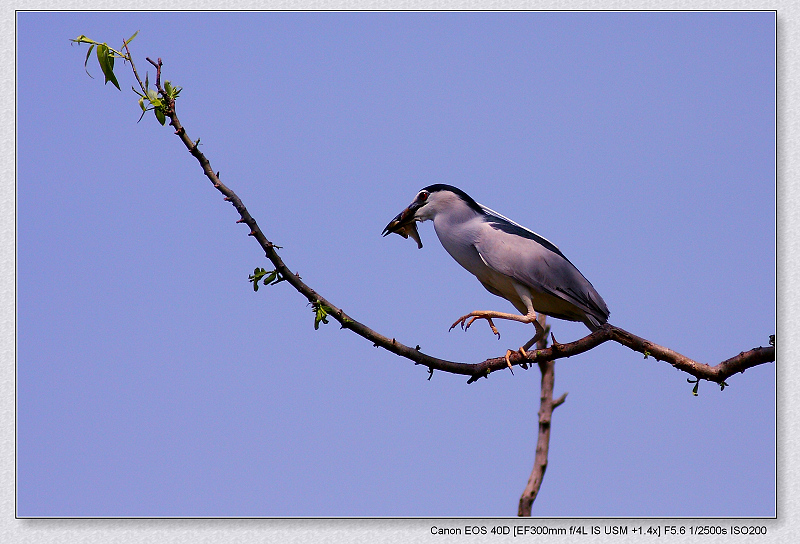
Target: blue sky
153,381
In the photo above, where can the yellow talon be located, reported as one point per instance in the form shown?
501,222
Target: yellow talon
508,361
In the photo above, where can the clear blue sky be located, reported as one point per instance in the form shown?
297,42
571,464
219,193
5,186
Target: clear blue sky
153,381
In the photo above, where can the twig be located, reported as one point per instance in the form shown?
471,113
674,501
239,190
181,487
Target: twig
158,74
129,58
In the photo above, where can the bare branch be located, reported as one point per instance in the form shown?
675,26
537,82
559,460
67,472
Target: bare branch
718,373
546,407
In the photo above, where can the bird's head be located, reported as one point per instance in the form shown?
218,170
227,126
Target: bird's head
428,202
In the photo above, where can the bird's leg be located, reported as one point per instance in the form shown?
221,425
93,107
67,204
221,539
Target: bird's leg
540,333
467,320
488,315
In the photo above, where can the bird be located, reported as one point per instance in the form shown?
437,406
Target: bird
509,260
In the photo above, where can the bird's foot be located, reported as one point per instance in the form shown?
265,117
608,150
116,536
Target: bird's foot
524,363
522,353
508,361
472,317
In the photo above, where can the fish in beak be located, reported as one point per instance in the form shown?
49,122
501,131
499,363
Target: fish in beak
405,224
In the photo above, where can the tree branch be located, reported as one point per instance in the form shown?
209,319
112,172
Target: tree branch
718,373
546,407
475,371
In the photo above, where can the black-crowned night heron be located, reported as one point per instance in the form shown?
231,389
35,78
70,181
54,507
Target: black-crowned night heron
509,260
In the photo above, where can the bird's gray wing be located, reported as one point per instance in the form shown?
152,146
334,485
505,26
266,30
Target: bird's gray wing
531,260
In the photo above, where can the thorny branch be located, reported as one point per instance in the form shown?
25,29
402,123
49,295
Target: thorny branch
475,371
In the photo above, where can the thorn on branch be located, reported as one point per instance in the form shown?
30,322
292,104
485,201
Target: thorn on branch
475,377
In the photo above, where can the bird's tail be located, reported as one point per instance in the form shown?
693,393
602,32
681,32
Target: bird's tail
593,323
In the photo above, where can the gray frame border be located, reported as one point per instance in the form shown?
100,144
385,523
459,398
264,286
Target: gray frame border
167,531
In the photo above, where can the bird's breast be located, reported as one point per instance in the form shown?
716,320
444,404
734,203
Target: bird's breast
459,239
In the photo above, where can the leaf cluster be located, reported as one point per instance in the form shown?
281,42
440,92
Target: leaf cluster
158,100
266,277
159,104
320,314
105,57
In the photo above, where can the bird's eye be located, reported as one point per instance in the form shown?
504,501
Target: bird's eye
423,196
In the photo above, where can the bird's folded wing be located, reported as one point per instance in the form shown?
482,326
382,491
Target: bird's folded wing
541,268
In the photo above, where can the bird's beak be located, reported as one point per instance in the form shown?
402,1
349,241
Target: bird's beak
405,224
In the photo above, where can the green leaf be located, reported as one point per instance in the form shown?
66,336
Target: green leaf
102,56
257,274
86,62
113,79
160,115
147,82
83,39
141,104
129,40
107,64
320,314
168,87
271,278
694,389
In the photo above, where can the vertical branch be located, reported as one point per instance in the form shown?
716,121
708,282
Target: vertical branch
546,407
